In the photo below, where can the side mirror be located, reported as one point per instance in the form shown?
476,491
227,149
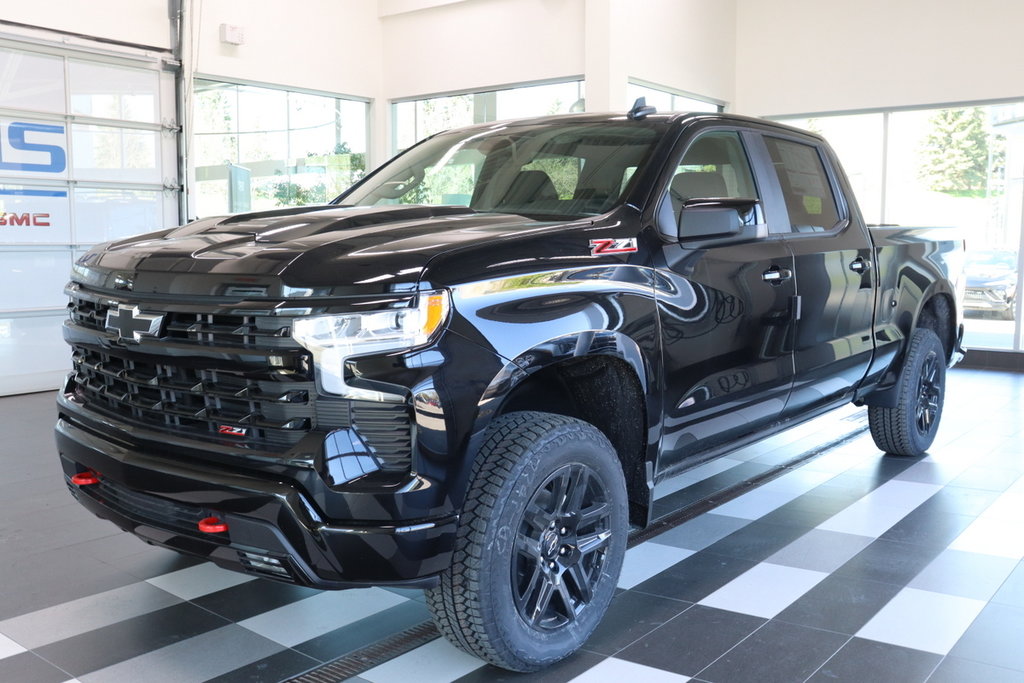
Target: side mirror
714,216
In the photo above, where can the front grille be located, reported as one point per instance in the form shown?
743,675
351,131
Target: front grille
207,402
246,398
232,330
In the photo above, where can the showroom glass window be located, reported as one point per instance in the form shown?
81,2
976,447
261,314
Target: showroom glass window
956,166
260,148
413,120
87,154
667,100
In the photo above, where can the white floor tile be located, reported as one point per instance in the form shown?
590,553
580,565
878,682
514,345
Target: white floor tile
306,619
879,510
755,504
692,476
701,531
8,647
647,559
820,551
613,669
202,579
436,662
923,620
765,590
992,536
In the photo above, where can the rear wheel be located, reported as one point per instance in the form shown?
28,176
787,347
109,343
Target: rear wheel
909,428
540,543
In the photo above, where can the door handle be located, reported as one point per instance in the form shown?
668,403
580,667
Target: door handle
776,274
860,265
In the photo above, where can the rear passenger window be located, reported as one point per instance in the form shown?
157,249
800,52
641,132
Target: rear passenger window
805,185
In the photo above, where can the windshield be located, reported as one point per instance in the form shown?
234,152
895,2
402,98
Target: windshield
561,170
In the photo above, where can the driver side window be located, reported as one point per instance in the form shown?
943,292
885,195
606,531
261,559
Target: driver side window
715,165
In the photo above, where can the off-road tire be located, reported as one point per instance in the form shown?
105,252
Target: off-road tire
483,603
909,428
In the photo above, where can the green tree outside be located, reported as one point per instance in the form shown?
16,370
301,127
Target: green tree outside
959,155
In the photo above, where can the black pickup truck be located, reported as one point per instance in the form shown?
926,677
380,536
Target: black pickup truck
468,372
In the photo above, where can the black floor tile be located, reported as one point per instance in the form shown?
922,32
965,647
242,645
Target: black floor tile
151,562
996,637
889,562
775,653
696,577
955,670
928,527
867,660
756,541
53,577
252,597
367,631
691,641
706,488
130,638
277,667
809,510
840,603
963,501
26,666
563,671
631,616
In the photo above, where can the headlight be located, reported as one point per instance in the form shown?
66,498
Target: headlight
334,338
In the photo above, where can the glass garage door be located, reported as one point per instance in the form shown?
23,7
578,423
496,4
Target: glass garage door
88,153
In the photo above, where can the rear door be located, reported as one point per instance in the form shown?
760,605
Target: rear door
834,274
724,305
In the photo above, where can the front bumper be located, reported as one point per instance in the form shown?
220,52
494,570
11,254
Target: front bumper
274,530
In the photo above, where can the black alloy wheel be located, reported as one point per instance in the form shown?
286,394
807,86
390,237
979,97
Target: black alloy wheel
561,547
540,543
929,393
909,427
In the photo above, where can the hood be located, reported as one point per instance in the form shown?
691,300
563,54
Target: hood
318,251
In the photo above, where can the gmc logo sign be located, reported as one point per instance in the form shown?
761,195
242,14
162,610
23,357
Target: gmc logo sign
36,220
23,147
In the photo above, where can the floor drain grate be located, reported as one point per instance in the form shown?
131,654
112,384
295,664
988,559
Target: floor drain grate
370,656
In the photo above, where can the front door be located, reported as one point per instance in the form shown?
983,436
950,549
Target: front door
725,308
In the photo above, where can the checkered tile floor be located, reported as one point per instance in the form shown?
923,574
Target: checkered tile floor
849,567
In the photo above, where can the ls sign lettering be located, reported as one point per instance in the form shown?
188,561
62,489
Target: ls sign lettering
30,147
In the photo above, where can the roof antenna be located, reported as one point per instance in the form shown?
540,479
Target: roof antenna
640,109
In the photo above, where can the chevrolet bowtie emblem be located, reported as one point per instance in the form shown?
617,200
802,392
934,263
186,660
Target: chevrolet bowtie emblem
131,324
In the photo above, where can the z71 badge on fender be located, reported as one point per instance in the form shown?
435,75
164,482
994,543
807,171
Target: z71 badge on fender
621,245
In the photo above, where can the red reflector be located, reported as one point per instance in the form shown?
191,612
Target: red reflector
87,478
212,525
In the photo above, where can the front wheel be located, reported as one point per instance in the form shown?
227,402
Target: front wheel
909,428
540,543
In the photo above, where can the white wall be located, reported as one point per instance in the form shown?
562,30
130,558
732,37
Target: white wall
144,22
807,56
479,44
684,44
327,45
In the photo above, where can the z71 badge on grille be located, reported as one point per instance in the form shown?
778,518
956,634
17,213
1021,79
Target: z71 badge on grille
232,430
620,245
